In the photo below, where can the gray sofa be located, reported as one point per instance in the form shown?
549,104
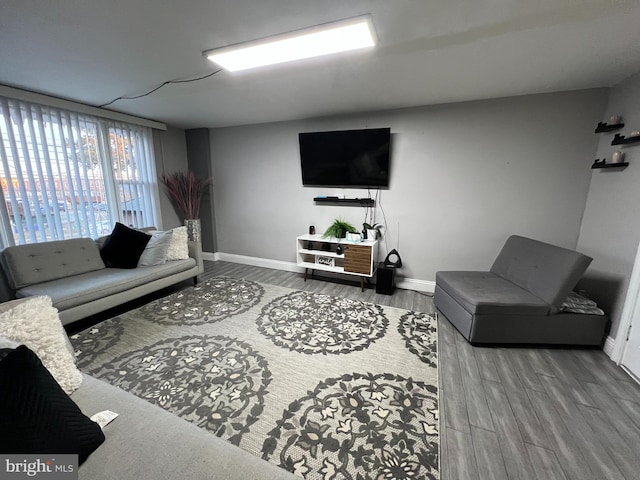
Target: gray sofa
73,274
147,442
518,301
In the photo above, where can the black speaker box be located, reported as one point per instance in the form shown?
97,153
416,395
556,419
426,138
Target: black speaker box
385,279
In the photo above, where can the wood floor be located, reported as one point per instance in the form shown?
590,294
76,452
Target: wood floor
511,413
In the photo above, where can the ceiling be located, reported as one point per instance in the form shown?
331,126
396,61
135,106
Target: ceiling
429,52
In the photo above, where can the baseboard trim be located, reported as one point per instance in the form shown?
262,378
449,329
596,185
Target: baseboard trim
416,284
404,283
609,346
259,262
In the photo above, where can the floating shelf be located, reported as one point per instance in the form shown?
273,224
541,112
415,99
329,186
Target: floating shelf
622,140
598,164
364,202
603,127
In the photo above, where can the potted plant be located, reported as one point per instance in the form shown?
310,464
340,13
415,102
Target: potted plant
186,191
372,232
339,229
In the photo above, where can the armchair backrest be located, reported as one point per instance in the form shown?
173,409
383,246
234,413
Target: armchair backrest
547,271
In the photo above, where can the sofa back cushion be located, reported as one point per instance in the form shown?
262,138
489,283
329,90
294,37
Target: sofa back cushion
547,271
41,262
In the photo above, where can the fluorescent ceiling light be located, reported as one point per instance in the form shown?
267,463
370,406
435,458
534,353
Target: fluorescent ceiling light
342,36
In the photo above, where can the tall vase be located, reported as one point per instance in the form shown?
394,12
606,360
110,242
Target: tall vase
193,229
194,235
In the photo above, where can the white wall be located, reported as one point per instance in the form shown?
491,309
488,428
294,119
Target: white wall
170,149
464,177
611,226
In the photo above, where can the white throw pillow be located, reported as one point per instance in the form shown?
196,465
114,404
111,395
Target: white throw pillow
178,248
155,253
34,322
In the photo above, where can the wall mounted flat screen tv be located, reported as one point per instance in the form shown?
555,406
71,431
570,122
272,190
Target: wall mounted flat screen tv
346,158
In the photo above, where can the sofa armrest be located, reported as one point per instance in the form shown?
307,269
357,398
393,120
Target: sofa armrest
195,252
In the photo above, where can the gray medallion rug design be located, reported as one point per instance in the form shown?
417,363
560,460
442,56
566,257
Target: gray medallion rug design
380,425
325,387
216,382
96,340
218,299
314,323
418,331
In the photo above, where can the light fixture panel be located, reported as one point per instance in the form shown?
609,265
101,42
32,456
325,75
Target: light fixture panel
352,34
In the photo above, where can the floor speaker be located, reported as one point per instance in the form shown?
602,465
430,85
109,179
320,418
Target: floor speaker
385,279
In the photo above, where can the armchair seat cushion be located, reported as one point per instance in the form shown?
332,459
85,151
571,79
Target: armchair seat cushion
518,301
485,293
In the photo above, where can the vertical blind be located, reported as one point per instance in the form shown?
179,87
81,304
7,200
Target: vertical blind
68,175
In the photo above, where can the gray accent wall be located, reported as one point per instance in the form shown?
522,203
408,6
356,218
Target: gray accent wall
464,177
199,158
170,150
611,226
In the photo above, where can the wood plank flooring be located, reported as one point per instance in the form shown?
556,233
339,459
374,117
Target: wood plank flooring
510,413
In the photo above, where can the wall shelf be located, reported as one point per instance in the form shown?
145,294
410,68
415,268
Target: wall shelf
622,140
598,164
363,202
603,127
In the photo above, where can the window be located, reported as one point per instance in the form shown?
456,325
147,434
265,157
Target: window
67,175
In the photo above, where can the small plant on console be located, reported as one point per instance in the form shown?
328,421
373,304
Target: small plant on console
339,229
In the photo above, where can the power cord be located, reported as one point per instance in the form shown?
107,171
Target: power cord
133,97
384,217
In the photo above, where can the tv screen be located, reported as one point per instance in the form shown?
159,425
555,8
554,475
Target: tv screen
347,158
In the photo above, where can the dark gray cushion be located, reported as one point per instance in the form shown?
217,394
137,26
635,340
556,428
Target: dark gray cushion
547,271
41,262
485,293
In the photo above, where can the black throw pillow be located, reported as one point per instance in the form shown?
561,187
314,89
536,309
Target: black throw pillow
36,416
123,248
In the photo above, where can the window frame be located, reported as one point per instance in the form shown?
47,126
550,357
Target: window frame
31,149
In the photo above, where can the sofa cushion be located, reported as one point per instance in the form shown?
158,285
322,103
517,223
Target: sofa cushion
80,289
34,322
155,253
36,416
547,271
123,248
485,293
41,262
179,246
148,442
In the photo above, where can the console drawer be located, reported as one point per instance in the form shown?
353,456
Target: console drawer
357,259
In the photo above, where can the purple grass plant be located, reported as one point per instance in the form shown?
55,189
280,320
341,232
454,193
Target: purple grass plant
186,191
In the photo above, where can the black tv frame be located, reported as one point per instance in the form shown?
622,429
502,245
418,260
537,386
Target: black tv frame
334,145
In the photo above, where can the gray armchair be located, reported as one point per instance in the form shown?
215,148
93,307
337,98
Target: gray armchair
518,301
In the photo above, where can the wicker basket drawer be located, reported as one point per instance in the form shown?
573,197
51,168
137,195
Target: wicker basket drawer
357,259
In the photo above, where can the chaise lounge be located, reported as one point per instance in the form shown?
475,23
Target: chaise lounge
519,300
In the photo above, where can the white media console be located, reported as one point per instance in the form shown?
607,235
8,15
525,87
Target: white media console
317,253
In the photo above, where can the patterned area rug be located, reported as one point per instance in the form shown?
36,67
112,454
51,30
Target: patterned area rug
325,387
